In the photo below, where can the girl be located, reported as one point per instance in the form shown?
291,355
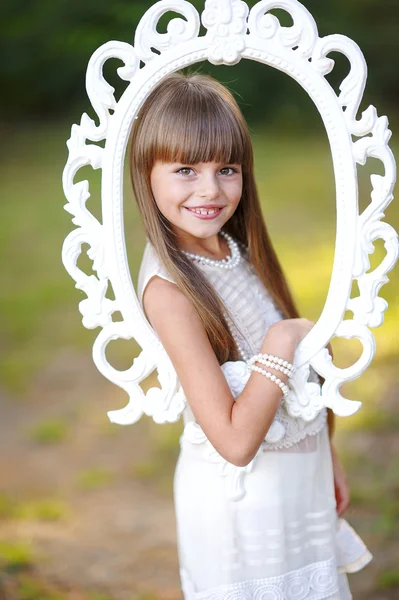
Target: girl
258,494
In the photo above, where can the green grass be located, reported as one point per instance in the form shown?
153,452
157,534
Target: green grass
44,509
50,431
388,580
159,468
30,588
93,479
146,470
40,509
8,506
15,555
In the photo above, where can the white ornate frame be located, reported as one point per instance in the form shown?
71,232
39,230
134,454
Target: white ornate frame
233,32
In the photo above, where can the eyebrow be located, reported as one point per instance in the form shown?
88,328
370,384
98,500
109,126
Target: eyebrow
226,164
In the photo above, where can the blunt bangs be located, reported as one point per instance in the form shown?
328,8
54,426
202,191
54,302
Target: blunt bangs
196,126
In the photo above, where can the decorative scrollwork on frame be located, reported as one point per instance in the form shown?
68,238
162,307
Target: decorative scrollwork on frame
352,87
100,92
178,30
233,32
302,35
96,309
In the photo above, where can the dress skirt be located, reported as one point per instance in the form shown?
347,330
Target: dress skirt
280,539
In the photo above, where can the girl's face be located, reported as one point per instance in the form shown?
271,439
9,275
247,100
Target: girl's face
197,199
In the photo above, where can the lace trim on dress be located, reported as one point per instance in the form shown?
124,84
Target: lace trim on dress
314,582
295,430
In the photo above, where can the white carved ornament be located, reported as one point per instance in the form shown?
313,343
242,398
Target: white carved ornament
233,32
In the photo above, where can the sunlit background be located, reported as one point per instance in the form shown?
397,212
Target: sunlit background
86,506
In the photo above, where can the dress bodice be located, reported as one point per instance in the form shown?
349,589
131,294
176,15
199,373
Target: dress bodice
248,302
251,311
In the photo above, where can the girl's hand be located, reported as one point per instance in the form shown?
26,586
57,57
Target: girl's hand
341,486
297,328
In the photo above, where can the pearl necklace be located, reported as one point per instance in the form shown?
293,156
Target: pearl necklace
244,356
226,263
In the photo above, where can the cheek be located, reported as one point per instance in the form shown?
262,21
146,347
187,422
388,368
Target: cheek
236,192
154,187
160,193
167,198
169,194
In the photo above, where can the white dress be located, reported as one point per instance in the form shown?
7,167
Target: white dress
269,530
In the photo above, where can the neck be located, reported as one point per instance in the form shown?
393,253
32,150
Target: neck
214,247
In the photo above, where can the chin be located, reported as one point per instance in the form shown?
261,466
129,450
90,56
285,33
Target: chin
202,229
206,230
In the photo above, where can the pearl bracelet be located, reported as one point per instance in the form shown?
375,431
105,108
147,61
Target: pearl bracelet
277,363
284,388
273,365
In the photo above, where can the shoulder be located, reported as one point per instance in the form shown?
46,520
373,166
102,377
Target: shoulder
160,296
151,265
177,325
164,302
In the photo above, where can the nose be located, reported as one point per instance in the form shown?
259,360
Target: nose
209,186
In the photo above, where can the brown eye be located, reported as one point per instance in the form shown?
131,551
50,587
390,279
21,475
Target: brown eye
226,168
184,169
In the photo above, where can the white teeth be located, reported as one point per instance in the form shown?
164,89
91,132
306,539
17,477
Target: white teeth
204,211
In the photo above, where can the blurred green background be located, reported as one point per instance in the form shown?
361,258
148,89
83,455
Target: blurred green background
86,508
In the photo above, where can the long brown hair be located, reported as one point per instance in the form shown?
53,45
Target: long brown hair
192,118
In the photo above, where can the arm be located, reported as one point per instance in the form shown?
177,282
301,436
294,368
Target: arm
341,487
330,423
235,428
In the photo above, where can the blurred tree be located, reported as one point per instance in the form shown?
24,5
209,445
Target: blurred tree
46,46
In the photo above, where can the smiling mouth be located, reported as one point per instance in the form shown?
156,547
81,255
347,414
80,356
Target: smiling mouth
204,211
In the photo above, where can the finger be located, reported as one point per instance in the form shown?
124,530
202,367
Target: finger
344,502
338,500
339,503
340,509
